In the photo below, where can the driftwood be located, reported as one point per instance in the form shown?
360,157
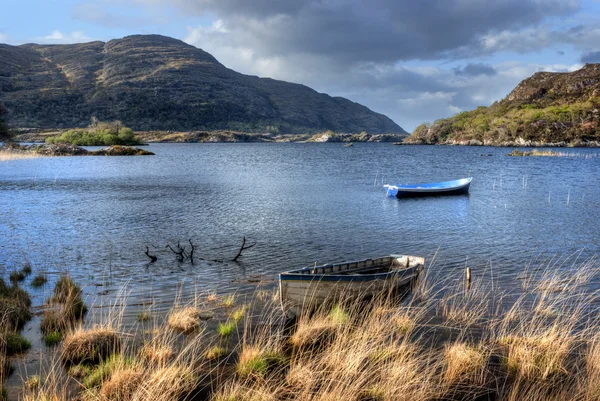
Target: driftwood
180,252
192,251
153,258
242,249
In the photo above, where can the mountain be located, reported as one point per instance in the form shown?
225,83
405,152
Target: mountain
153,82
548,108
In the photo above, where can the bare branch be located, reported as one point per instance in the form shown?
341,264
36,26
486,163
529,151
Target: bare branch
243,248
153,258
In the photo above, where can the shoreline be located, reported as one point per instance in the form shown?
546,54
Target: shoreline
224,136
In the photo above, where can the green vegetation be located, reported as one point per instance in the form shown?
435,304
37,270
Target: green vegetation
26,269
100,373
14,343
14,307
547,108
143,316
16,276
39,280
98,134
52,338
64,308
215,352
226,329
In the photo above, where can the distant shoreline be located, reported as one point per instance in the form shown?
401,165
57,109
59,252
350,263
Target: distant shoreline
226,136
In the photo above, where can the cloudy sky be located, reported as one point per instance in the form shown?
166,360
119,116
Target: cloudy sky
414,61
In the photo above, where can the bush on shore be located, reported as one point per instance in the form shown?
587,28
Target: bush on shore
98,134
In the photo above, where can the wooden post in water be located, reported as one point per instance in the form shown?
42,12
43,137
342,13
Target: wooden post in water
468,277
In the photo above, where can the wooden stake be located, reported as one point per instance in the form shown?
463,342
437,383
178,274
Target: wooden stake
468,277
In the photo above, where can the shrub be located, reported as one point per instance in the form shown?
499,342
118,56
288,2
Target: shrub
98,134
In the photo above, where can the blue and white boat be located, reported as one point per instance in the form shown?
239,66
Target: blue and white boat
311,287
454,187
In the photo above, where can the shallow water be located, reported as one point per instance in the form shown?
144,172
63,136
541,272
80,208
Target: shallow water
300,203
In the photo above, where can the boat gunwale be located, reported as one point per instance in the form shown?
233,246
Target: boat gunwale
301,275
428,187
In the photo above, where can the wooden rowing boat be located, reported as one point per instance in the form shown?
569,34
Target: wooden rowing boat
454,187
311,287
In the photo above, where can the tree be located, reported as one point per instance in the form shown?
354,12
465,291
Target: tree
5,134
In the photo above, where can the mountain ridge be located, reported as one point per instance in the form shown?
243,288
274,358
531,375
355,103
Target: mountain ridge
154,82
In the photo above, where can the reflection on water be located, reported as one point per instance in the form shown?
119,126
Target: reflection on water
301,203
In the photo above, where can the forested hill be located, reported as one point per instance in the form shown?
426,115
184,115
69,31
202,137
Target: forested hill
153,82
548,108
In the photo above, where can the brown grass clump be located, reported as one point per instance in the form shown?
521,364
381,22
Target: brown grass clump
239,392
313,332
167,383
464,363
538,356
215,353
122,384
14,307
592,368
90,346
64,309
256,361
186,319
157,352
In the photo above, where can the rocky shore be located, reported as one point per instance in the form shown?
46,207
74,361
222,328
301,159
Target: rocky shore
219,136
72,150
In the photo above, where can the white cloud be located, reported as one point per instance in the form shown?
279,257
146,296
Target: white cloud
408,95
60,37
3,38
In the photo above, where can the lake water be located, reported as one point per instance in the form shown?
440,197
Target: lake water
301,203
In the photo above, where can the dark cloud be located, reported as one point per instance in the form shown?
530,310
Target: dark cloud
376,30
591,57
560,52
476,69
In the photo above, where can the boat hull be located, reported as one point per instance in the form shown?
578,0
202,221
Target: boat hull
322,285
417,194
455,187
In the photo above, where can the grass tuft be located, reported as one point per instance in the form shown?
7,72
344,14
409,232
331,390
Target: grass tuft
215,353
226,329
39,280
52,338
186,319
90,346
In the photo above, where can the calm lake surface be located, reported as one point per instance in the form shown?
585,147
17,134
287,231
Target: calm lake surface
301,203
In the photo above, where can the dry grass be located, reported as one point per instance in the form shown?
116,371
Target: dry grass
186,319
538,356
157,352
167,383
122,384
391,351
464,363
90,346
10,155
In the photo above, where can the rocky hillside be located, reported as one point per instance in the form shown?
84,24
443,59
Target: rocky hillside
548,108
152,82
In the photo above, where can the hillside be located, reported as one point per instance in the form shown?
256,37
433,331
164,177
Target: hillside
546,109
153,82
